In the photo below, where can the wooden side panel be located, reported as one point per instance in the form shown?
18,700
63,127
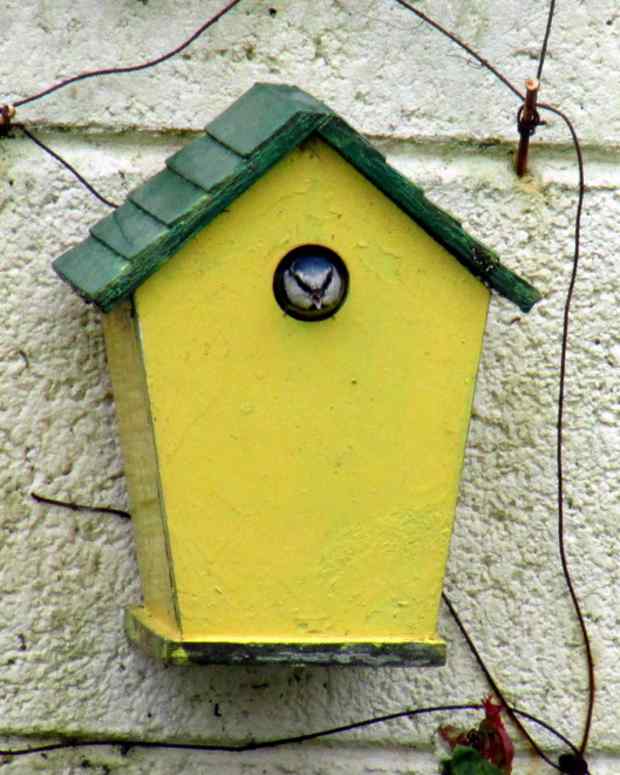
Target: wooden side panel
141,468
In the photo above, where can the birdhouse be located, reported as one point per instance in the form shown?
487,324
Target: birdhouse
293,333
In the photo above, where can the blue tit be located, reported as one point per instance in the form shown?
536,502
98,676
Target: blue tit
311,283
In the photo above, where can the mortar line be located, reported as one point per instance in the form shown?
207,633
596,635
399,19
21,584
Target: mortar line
551,165
136,134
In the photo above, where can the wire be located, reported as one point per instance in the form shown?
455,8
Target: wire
250,746
132,68
254,745
484,62
493,684
543,51
560,426
80,507
563,358
544,725
67,166
512,712
109,71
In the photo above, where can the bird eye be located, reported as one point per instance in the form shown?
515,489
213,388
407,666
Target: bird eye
311,282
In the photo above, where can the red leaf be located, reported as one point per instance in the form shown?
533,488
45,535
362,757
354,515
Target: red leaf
490,738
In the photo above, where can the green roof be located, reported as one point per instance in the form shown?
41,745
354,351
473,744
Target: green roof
203,178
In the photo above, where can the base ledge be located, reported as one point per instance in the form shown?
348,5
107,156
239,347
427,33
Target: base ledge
143,630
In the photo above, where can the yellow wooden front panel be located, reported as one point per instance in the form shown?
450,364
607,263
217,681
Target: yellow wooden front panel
310,470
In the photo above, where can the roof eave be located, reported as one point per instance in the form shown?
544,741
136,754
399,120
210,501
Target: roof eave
480,260
248,139
111,290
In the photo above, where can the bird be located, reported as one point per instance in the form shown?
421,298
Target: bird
311,283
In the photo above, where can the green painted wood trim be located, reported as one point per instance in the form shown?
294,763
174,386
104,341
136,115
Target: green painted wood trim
262,113
129,231
146,259
207,164
168,197
90,266
480,260
368,654
201,180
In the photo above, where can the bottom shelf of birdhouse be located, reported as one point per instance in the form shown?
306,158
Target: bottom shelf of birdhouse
157,641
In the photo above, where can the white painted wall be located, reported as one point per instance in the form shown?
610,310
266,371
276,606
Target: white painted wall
65,666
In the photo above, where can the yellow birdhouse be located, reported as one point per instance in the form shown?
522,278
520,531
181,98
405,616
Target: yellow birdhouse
293,332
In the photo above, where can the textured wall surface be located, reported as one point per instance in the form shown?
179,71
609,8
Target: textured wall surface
65,666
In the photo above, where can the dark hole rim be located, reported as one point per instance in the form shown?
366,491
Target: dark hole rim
308,249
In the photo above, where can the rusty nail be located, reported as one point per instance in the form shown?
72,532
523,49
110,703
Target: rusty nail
527,122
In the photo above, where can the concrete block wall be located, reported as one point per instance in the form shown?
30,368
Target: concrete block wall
65,666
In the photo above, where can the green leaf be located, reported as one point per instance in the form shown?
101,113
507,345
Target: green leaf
468,761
